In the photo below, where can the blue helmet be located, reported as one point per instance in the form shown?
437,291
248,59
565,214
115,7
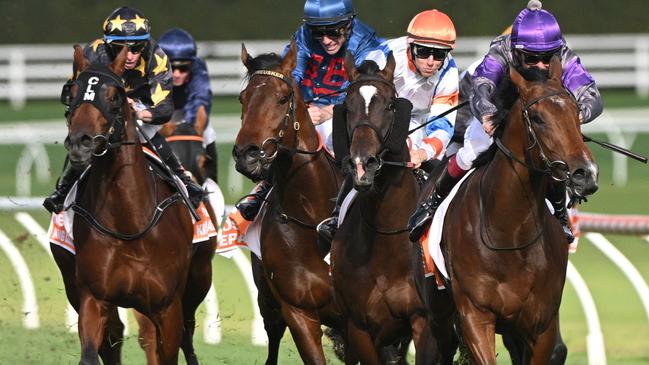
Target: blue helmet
178,44
327,12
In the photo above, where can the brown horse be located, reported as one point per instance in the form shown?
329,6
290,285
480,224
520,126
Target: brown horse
372,258
506,254
140,259
278,142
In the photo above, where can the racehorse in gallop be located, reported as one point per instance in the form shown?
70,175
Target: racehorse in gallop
278,142
140,259
506,255
372,258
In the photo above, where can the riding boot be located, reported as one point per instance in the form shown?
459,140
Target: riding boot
423,215
328,227
195,192
249,207
557,196
70,174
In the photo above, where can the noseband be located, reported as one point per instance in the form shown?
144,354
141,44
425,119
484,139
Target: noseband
532,141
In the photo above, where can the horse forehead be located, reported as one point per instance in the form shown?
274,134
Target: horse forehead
367,92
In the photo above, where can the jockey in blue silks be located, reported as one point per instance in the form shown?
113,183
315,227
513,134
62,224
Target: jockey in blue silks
330,29
534,40
147,78
192,95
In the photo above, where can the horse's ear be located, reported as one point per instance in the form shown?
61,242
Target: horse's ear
350,67
518,80
388,70
556,70
245,56
290,59
80,61
119,63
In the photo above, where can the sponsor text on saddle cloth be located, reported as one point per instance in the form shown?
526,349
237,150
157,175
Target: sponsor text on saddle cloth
60,230
434,259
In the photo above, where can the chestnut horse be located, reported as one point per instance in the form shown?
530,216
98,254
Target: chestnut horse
140,259
505,252
279,143
372,258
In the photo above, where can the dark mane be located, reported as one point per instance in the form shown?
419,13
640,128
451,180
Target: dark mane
265,61
368,68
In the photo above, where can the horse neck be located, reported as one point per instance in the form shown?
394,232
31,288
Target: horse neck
509,186
391,203
120,176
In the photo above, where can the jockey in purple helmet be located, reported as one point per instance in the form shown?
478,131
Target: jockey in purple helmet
148,85
192,95
534,40
330,29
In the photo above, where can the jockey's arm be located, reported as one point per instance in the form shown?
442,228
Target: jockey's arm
581,84
201,120
320,113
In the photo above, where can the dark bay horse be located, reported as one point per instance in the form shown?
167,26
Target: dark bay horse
505,252
278,142
372,258
140,259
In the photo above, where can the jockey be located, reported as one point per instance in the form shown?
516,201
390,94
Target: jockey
192,96
426,74
148,84
330,29
534,39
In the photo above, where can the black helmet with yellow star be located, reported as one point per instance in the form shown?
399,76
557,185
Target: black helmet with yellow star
126,26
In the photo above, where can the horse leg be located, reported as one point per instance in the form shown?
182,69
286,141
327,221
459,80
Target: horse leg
560,352
544,345
111,347
426,348
515,347
147,338
67,266
169,328
199,281
92,318
479,333
362,345
307,334
270,310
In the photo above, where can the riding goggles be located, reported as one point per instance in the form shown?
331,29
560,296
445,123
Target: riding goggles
181,66
423,52
133,47
529,58
332,32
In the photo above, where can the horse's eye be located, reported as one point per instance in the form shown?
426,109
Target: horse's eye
283,100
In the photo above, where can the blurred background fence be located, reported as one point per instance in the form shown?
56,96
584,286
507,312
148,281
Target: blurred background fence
37,71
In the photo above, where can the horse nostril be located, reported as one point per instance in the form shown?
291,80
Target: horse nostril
579,176
372,163
86,141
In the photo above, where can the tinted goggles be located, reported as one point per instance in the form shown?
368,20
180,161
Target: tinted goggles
181,66
330,32
423,52
534,58
133,47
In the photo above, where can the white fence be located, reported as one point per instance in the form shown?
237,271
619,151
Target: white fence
37,71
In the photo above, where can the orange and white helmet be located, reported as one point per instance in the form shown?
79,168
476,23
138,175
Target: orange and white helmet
432,28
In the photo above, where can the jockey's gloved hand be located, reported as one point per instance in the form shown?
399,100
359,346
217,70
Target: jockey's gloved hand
480,101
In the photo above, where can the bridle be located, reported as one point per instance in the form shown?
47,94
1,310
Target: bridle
550,167
383,139
102,76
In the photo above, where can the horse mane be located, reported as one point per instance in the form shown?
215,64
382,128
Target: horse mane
504,98
265,61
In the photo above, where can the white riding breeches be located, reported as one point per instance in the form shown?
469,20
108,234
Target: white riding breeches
476,141
209,135
325,130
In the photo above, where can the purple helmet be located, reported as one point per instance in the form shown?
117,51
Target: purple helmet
536,30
